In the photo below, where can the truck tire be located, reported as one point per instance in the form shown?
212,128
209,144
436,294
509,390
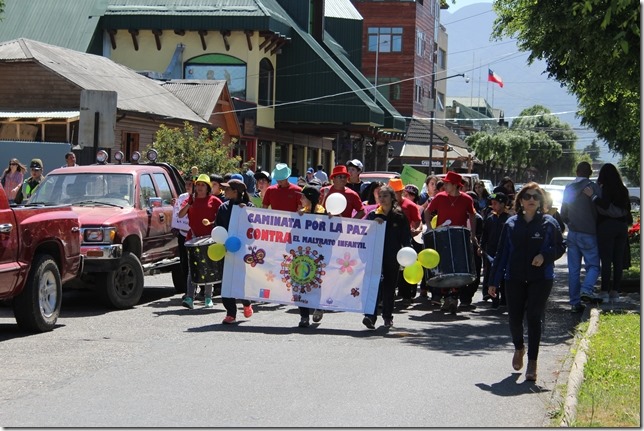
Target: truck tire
38,306
179,279
123,288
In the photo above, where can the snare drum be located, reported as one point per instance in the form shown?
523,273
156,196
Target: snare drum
454,246
203,269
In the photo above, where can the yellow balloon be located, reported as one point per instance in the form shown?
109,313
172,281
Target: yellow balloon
413,273
216,251
429,258
434,221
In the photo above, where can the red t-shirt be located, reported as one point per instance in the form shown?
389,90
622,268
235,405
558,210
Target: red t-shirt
454,208
353,200
200,209
411,211
282,198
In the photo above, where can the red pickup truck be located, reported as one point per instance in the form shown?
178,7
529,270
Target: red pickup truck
125,214
39,251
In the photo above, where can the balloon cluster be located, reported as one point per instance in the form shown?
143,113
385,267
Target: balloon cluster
415,262
223,243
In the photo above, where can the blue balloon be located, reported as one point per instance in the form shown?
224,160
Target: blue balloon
232,244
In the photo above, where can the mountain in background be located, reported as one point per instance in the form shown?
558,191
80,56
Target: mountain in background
470,51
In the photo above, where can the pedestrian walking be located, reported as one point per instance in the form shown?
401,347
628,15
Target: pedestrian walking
321,175
282,196
613,218
525,258
492,227
200,206
397,236
580,214
339,178
236,194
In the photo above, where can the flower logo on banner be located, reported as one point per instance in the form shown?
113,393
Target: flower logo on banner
347,264
270,277
302,270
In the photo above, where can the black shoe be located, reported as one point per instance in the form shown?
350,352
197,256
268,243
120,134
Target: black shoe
467,307
486,297
389,322
495,303
304,322
577,308
368,323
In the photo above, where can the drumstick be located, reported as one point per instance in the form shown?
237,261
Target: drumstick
206,222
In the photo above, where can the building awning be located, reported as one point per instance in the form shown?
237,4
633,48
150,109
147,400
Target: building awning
40,117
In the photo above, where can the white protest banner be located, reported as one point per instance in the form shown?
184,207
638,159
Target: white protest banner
312,260
179,223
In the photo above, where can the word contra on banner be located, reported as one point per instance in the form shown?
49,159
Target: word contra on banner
311,260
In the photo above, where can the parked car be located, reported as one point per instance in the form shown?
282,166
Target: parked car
383,176
40,251
634,193
125,214
488,185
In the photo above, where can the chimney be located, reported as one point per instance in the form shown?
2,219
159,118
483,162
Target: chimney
317,26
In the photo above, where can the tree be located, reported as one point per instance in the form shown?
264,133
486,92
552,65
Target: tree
593,150
591,47
184,149
629,167
539,119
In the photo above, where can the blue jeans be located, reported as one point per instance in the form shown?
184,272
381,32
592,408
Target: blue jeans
581,245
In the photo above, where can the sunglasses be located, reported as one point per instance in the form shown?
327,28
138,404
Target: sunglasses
533,196
13,164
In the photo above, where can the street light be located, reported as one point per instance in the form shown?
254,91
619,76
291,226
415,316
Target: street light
431,120
375,79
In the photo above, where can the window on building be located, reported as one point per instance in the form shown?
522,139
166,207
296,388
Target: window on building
440,101
266,80
385,39
418,91
222,67
420,43
442,59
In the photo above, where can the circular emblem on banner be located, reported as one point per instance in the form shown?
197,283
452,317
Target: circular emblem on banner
302,269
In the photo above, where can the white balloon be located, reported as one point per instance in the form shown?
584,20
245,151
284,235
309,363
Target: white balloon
406,256
335,203
219,234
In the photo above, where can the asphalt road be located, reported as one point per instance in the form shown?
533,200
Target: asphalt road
161,365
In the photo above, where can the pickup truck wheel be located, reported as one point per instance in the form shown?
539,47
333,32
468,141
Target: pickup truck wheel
123,288
38,306
179,280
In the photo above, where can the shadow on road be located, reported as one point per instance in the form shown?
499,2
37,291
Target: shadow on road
510,387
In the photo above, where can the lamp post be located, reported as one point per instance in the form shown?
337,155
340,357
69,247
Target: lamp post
375,78
431,120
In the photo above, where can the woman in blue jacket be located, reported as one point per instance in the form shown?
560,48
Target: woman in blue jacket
525,258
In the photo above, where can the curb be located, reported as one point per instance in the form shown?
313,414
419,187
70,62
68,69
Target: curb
576,376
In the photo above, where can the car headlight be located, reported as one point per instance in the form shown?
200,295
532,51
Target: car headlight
99,234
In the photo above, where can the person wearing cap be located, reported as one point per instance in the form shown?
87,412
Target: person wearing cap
339,178
458,208
249,180
492,226
26,189
262,182
282,196
407,291
200,206
321,175
309,199
310,174
354,167
236,194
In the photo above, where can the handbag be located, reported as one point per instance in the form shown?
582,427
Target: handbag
613,211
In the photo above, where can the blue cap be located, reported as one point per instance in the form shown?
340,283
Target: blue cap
310,171
237,177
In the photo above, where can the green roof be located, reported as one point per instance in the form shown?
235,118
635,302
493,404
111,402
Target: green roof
70,24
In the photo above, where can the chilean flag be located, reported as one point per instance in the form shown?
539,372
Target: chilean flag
493,77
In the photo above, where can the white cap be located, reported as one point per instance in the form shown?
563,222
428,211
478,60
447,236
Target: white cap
355,162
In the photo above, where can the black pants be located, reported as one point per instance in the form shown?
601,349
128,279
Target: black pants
183,255
527,299
230,304
386,289
612,240
467,292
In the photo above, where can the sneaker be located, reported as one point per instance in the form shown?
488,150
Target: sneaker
304,322
389,322
590,297
228,320
317,316
208,303
450,305
486,297
368,323
248,311
188,302
467,307
577,308
603,296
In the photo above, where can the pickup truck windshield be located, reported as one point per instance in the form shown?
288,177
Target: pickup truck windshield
108,189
